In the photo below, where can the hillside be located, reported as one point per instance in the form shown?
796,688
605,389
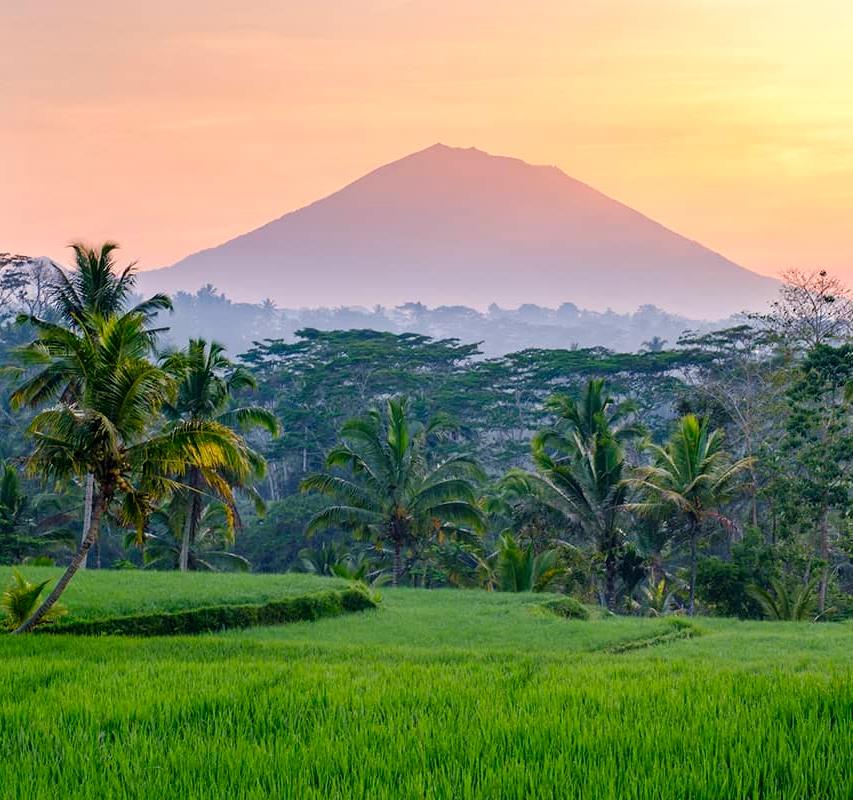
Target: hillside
459,226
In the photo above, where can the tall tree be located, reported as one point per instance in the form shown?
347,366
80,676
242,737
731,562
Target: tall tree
206,391
96,286
95,289
580,466
692,477
814,459
395,495
814,308
105,430
164,535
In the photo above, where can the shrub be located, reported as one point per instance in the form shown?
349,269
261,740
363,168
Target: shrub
218,618
567,607
21,598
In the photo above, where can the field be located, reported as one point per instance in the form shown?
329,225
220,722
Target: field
437,694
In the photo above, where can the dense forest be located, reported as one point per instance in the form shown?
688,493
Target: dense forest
707,473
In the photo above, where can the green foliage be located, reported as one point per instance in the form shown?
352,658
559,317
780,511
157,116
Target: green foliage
396,496
580,463
723,586
163,539
29,525
521,570
105,430
20,599
691,478
208,383
782,601
567,607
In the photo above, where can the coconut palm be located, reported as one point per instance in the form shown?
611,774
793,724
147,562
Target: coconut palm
208,384
596,411
519,569
95,288
395,495
783,602
580,466
164,534
28,523
691,478
584,482
106,429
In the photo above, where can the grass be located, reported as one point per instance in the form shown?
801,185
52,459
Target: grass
435,695
94,594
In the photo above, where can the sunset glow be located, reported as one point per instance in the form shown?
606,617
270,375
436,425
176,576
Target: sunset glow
175,126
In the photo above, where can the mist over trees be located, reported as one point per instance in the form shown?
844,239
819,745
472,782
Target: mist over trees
209,313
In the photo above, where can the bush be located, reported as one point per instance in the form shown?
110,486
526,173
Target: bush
20,600
567,607
218,618
723,586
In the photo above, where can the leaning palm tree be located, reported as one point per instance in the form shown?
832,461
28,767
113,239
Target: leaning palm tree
95,288
208,384
106,430
395,495
691,478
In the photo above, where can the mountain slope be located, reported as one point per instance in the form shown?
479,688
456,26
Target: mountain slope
449,225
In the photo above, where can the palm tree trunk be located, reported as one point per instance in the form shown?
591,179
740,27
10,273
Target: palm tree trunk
191,522
398,563
610,582
824,555
98,508
692,604
87,512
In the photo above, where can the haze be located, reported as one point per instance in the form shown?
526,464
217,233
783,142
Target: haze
175,126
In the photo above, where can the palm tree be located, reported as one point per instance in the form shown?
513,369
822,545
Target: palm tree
596,411
95,288
519,569
584,482
782,602
395,495
654,345
105,430
580,464
164,535
209,382
28,523
691,478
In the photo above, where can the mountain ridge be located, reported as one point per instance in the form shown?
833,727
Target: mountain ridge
448,225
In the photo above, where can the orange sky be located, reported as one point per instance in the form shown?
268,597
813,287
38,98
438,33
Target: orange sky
171,126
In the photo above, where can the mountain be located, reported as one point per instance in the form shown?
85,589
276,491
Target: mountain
459,226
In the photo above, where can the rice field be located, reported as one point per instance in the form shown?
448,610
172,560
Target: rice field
437,694
94,594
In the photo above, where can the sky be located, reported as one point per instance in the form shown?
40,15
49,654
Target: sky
174,126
